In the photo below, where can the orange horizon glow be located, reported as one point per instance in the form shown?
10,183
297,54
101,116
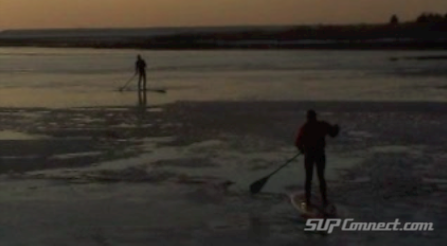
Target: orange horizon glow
32,14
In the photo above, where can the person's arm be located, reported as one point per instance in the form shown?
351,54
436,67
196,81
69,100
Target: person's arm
136,68
299,140
333,130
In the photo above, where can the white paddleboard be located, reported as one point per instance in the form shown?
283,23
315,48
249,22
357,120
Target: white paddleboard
159,90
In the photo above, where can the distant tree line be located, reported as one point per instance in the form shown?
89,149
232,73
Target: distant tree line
432,18
423,18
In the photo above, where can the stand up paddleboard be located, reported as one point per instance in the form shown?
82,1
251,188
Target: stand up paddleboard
148,90
315,211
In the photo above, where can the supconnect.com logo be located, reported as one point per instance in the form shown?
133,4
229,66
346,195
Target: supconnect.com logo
328,225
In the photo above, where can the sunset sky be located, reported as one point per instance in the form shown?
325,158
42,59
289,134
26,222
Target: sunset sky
16,14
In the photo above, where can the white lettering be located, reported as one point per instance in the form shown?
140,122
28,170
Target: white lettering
349,225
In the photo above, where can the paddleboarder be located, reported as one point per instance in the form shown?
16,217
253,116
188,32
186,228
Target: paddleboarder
140,69
311,142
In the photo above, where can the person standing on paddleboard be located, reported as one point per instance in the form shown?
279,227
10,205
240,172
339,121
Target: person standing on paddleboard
140,69
311,142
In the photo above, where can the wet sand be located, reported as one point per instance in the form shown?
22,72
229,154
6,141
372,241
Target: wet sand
178,174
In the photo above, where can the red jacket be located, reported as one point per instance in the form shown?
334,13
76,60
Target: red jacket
311,135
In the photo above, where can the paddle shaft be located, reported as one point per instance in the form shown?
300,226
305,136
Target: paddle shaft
127,83
257,186
284,165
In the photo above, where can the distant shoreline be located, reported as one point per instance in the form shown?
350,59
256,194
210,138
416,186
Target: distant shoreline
408,36
347,45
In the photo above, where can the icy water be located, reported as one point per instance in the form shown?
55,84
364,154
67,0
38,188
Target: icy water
83,164
83,77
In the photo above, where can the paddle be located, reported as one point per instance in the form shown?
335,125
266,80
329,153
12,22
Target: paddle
257,186
127,83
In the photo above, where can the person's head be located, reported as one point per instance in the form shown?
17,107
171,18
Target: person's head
138,57
311,115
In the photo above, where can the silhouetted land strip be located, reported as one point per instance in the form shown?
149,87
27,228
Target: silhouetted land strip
420,58
421,36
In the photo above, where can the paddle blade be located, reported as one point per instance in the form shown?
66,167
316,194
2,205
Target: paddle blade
258,185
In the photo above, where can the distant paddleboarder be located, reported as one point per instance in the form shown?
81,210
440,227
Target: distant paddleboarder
140,69
311,142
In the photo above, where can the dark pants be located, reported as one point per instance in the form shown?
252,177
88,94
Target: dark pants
142,80
318,158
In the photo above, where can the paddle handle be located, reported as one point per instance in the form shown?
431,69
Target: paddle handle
285,164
